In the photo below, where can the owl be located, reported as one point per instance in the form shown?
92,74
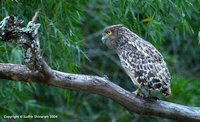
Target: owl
140,59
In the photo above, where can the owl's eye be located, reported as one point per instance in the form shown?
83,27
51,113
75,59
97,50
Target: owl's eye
109,32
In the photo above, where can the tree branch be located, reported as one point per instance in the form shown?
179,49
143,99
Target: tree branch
104,87
36,70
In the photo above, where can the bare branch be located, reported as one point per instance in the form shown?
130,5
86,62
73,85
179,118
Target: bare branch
37,70
34,19
104,87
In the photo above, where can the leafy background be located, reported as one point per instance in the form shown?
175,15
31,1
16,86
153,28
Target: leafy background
70,37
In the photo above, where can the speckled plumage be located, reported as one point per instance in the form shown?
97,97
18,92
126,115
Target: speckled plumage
140,59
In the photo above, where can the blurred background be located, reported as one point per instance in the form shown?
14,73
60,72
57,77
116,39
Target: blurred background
70,38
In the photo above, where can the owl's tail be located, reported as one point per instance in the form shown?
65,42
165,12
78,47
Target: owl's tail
166,91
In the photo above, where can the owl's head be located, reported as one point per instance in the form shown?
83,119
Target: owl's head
110,35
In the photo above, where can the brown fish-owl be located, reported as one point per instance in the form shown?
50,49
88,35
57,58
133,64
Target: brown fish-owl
140,59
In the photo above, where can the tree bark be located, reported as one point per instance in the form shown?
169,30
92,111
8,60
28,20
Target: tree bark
37,70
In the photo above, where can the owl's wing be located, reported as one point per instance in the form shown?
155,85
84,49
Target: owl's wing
149,66
148,49
151,53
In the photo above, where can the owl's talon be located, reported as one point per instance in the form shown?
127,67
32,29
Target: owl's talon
151,98
138,93
149,93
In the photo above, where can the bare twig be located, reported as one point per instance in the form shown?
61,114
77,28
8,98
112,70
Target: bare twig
35,17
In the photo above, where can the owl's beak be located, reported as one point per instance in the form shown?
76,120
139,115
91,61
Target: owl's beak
104,37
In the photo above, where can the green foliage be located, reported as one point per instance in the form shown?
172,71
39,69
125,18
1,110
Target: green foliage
70,42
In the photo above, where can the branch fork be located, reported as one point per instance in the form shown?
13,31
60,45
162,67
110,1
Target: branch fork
27,38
